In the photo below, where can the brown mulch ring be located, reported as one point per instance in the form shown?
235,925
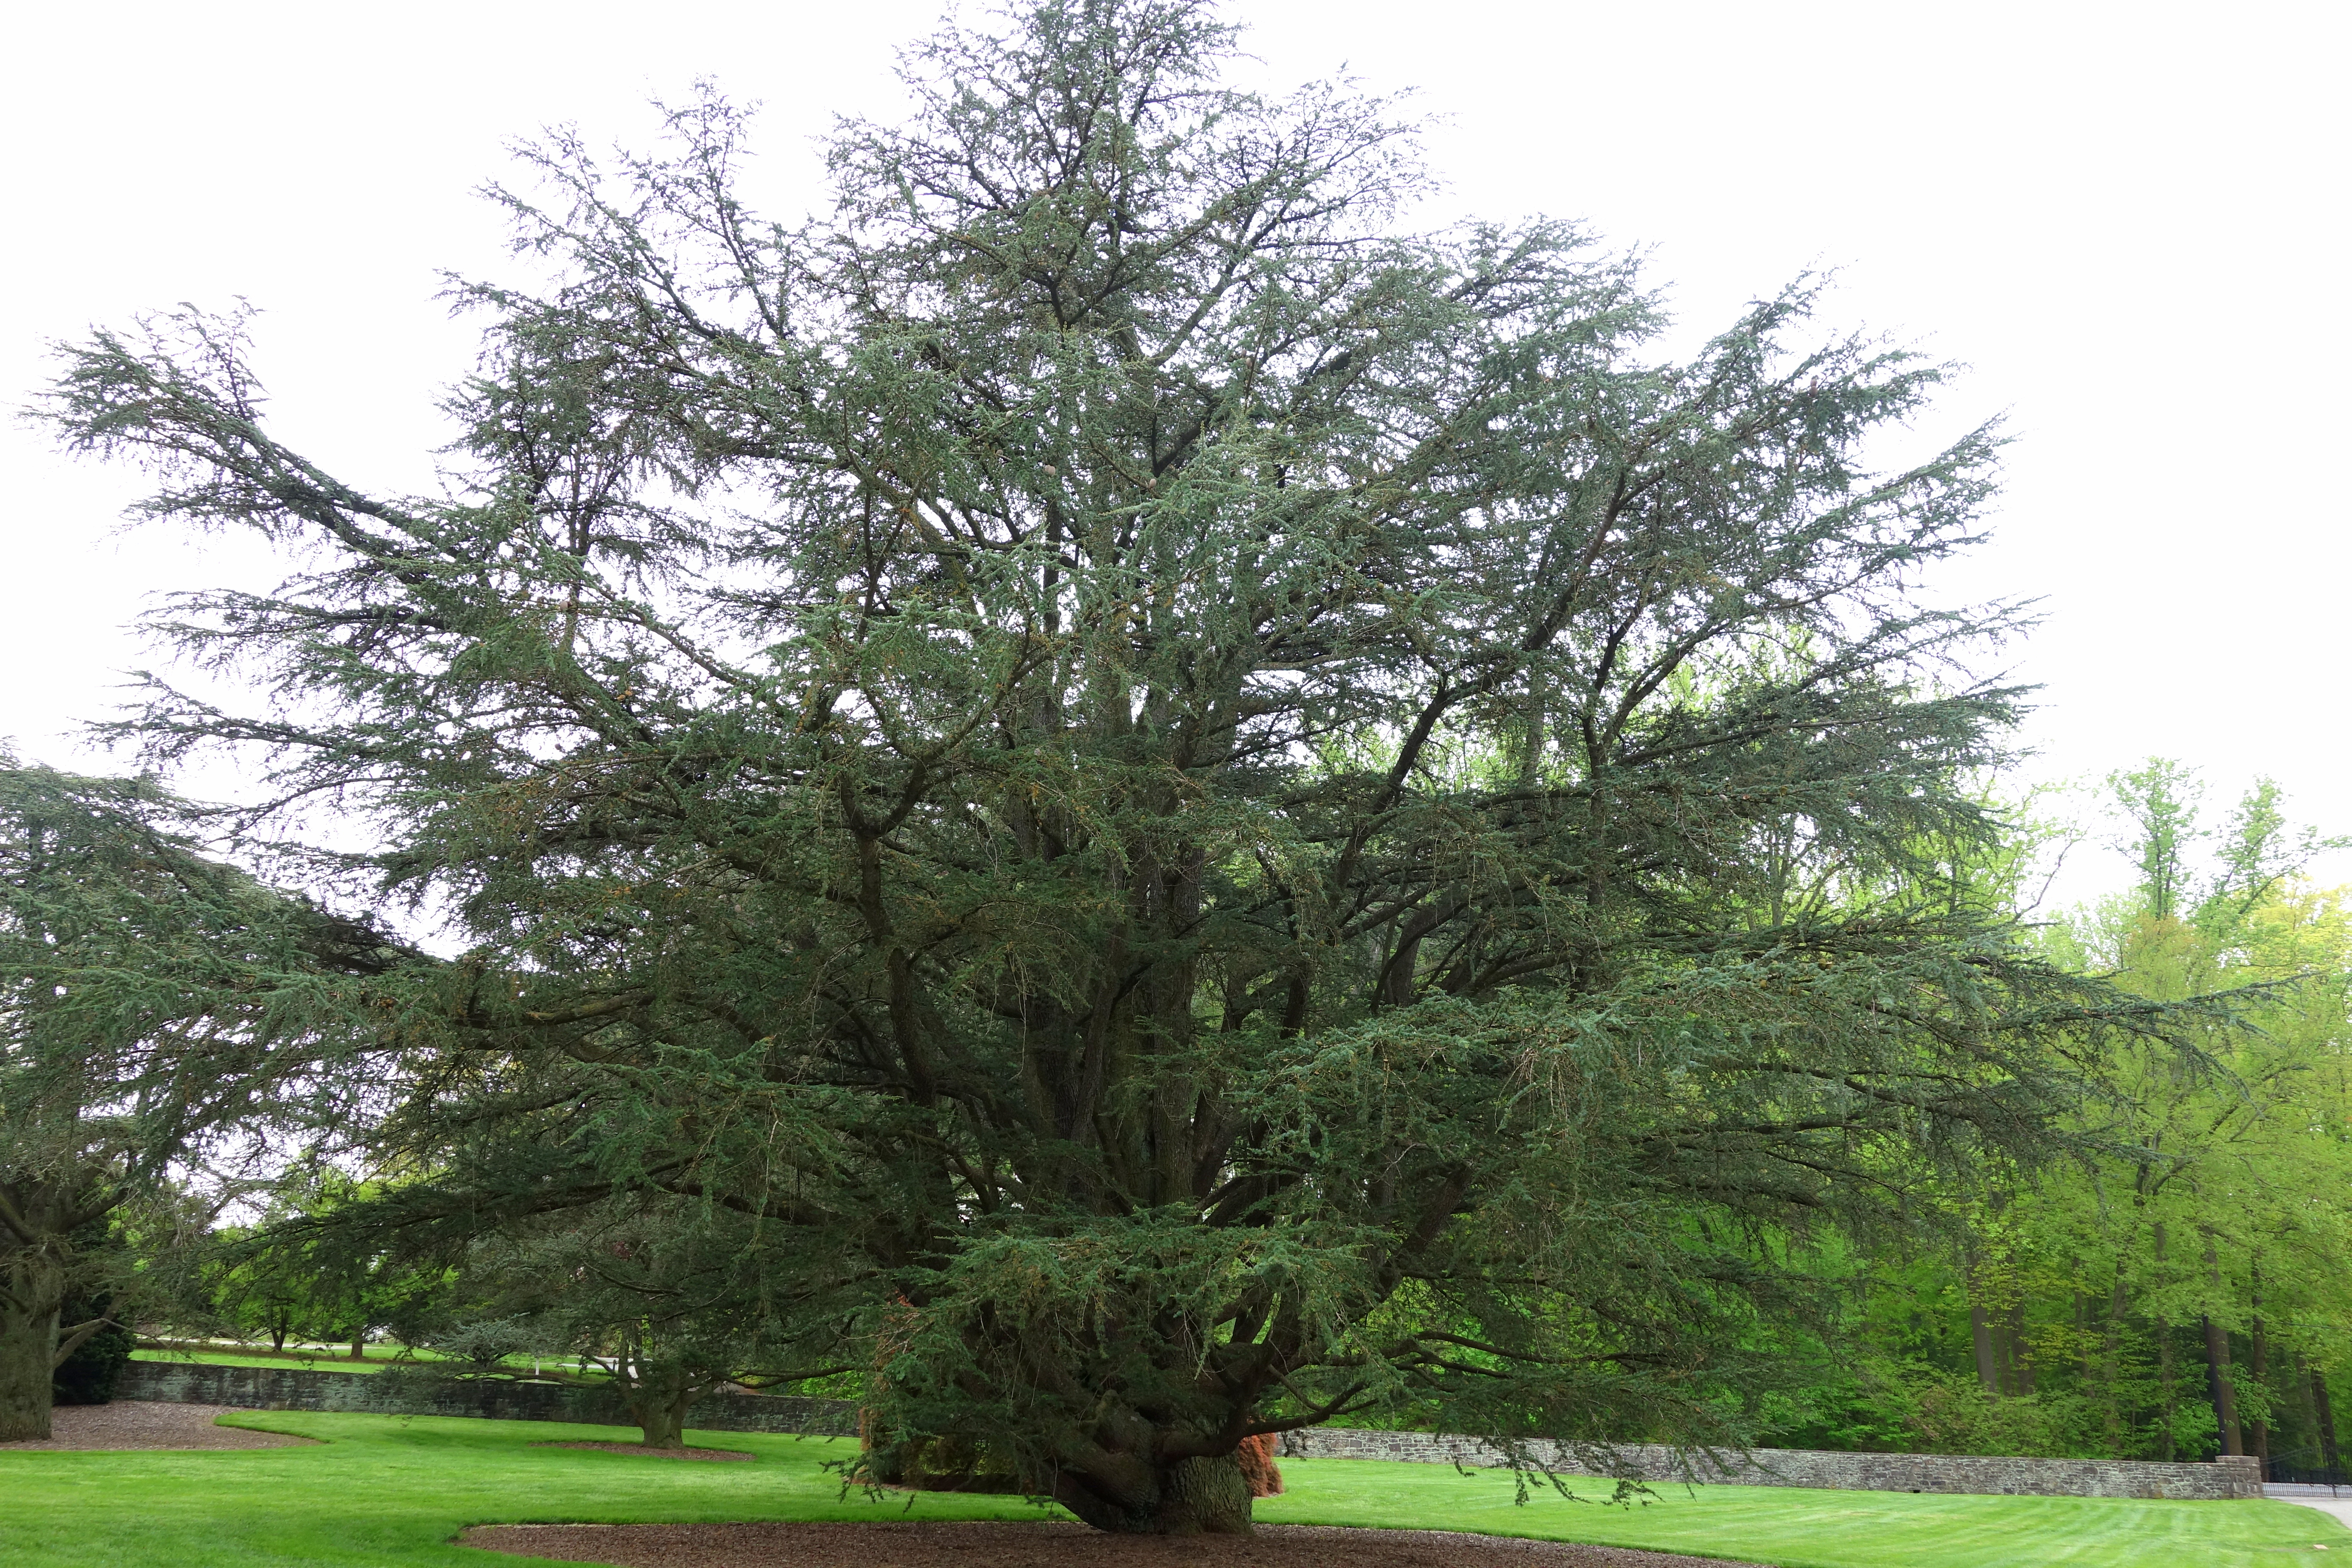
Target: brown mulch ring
1002,1545
147,1424
644,1453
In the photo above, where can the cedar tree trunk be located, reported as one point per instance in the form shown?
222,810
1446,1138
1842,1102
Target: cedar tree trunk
658,1406
1199,1496
29,1299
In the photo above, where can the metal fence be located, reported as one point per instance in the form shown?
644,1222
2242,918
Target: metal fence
2305,1468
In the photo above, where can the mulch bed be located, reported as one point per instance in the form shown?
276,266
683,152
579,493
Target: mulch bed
146,1424
997,1544
644,1453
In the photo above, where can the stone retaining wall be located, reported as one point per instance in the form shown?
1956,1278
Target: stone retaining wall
2229,1477
393,1393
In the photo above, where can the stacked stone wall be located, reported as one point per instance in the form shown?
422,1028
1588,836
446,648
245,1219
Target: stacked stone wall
1988,1475
393,1393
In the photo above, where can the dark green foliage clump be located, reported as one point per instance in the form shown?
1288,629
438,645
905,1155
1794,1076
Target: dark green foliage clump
88,1374
155,1002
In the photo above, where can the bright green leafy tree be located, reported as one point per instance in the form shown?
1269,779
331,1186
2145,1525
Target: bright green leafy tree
2182,1287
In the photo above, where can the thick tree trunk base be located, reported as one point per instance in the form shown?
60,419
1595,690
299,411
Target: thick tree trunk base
660,1415
662,1429
28,1354
1193,1497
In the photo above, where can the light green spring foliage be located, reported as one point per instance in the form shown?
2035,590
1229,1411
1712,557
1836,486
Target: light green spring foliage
1186,800
2219,1190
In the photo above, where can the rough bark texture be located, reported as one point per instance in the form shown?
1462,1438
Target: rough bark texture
1202,1496
28,1354
659,1411
32,1289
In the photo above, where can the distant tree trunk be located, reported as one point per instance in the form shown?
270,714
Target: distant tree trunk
278,1331
1987,1363
359,1344
2258,1432
2117,1298
2328,1454
2217,1361
2020,1351
2217,1385
2167,1385
2166,1381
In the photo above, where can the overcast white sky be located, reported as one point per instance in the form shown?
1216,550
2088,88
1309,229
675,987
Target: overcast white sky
2130,220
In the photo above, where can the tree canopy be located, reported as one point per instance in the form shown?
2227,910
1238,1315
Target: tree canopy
1208,811
157,1006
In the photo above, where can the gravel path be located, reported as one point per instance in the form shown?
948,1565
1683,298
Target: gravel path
2339,1508
1011,1545
146,1424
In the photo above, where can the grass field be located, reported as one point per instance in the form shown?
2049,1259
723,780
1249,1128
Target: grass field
389,1491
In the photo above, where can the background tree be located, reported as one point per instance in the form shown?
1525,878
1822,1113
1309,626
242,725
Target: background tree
290,1275
2188,1270
153,1002
1179,789
664,1300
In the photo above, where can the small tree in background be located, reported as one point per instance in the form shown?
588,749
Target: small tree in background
666,1300
297,1272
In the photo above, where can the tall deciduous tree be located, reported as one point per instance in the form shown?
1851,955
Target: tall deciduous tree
1183,787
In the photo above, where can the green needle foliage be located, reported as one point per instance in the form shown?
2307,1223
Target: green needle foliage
156,1007
1190,797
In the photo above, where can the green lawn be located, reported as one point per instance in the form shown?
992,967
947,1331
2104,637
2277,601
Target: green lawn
389,1491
